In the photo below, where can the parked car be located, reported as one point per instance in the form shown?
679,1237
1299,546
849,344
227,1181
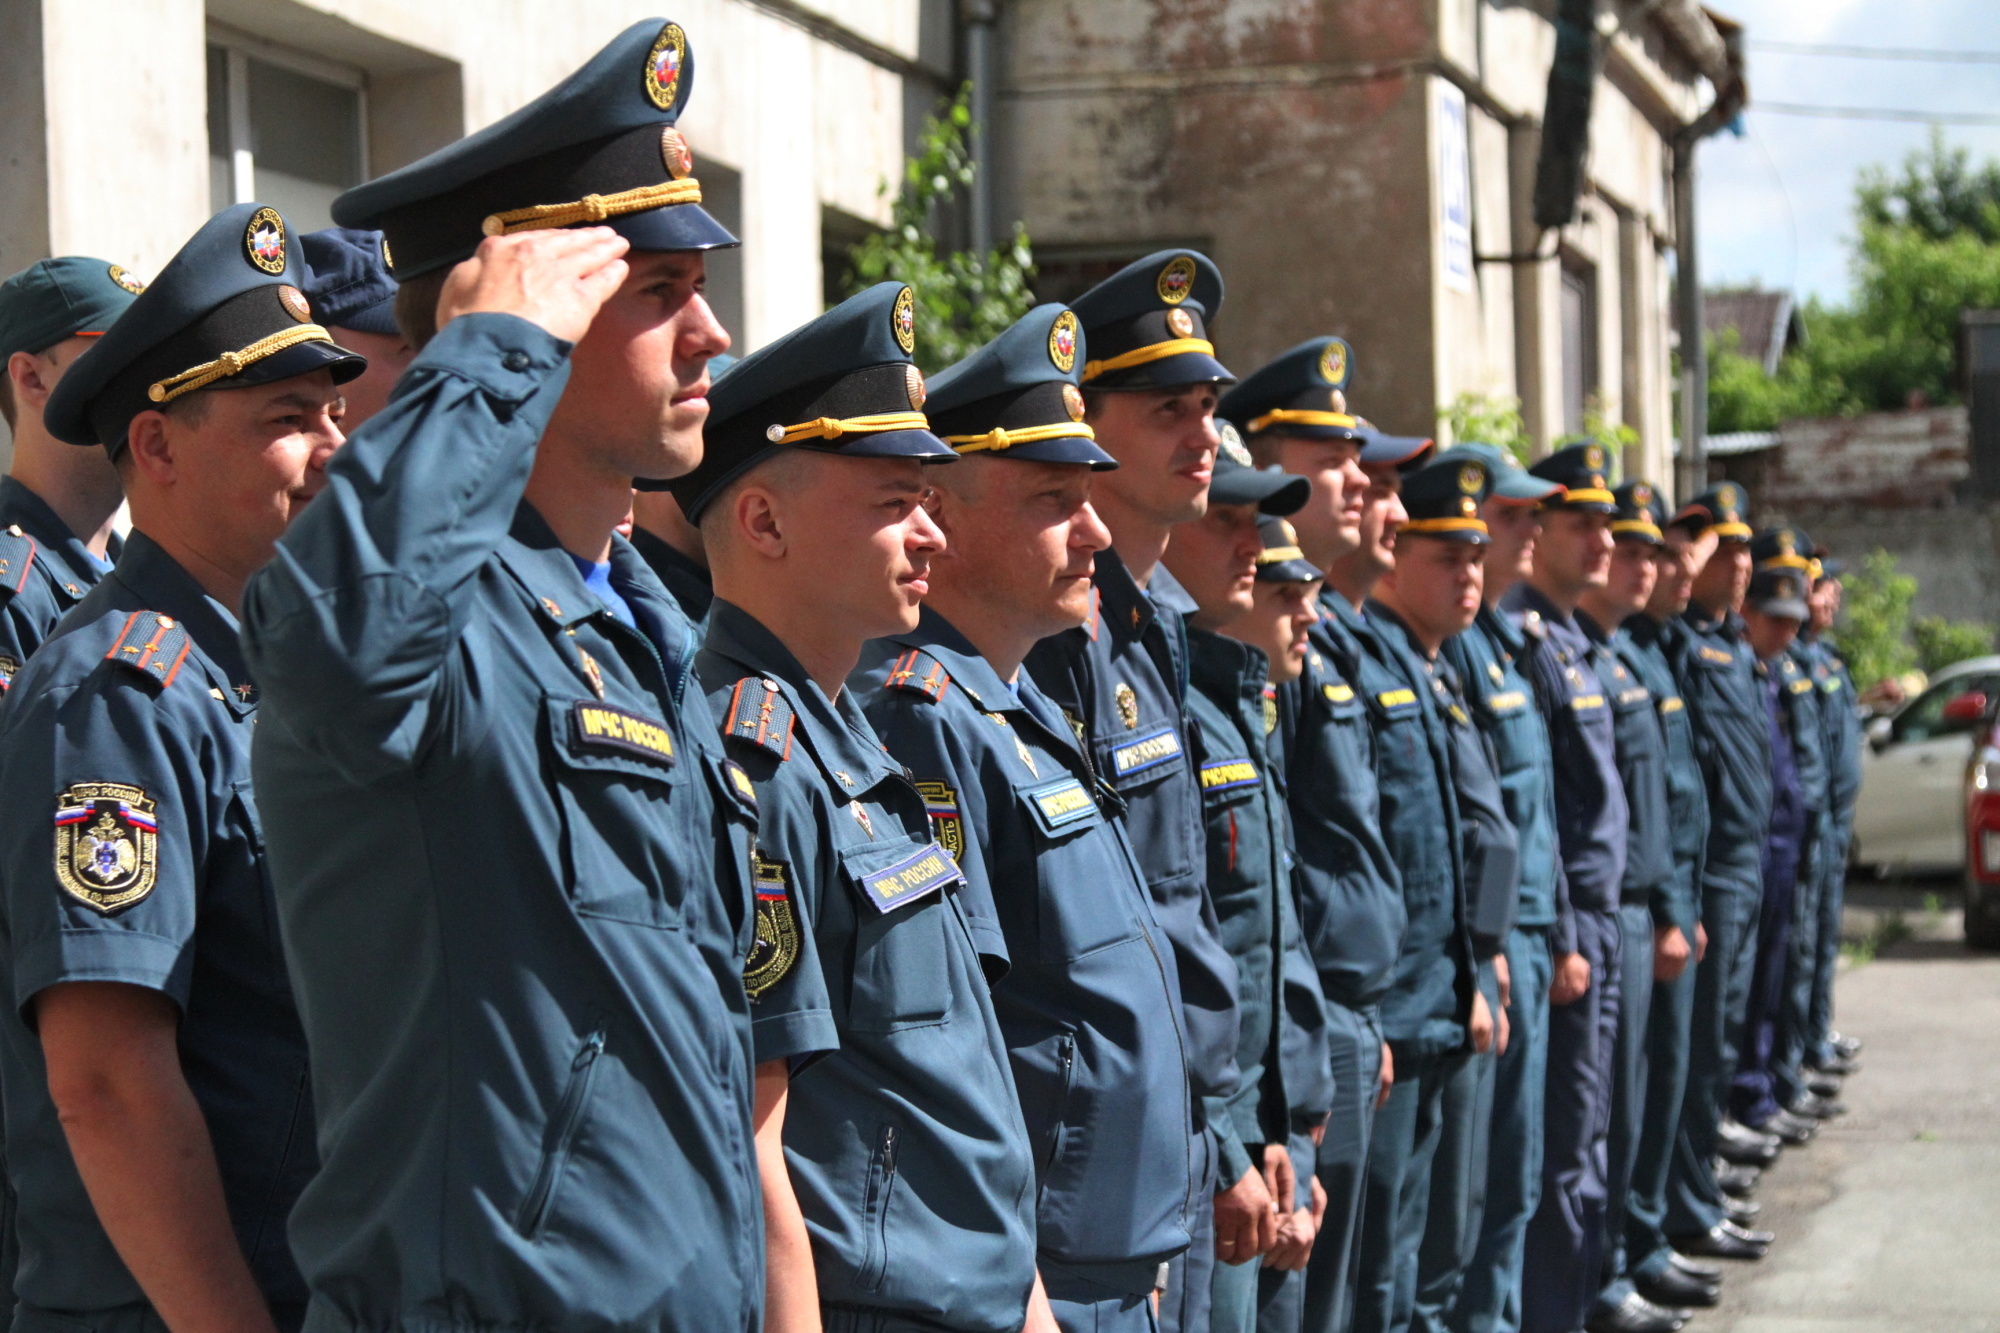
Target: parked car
1982,829
1911,814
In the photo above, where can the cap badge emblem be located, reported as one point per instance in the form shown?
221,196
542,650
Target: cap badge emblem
1466,506
1290,534
125,280
1333,364
1470,478
663,67
264,241
1176,280
1180,323
1786,588
1232,444
1073,401
1642,494
903,321
1785,544
1062,342
1593,458
294,302
675,153
1128,705
913,380
1727,497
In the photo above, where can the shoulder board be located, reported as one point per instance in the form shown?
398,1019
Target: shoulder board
917,672
152,644
759,716
17,557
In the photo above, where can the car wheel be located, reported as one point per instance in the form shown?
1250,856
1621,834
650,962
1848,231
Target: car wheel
1982,915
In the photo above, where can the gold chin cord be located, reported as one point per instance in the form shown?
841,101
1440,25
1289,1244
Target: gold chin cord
997,439
832,428
593,208
233,363
1139,356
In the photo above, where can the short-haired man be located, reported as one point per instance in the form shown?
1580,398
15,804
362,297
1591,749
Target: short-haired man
57,502
154,1066
512,867
1149,387
350,290
1089,1004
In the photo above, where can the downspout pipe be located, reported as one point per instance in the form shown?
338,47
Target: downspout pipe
976,18
1731,95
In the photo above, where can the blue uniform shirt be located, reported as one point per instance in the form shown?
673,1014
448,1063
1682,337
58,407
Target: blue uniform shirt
1486,658
1718,680
1803,695
45,569
132,728
513,872
1090,1005
1655,645
1591,812
905,1143
1351,908
1124,677
1640,735
1429,1000
1840,725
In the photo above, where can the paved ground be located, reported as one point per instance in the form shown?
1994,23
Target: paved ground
1890,1219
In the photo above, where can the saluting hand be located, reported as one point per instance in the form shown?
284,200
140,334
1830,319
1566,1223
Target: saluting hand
557,278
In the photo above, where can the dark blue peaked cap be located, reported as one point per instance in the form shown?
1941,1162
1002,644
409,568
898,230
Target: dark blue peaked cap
1443,497
349,286
1017,397
1147,324
1237,480
69,296
1303,392
1510,482
1641,513
843,384
225,313
599,148
1580,468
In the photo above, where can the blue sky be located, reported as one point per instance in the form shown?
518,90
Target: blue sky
1776,206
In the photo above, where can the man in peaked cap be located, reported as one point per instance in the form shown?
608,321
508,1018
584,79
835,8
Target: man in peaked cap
811,501
1351,907
154,1065
1572,556
57,503
1089,1004
1487,657
1718,680
1149,384
458,653
353,295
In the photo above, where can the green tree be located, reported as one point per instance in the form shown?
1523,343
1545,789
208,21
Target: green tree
1874,620
1740,395
964,300
1941,642
1485,418
1939,194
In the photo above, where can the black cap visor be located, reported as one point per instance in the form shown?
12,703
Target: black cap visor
1276,493
1178,371
675,227
1062,449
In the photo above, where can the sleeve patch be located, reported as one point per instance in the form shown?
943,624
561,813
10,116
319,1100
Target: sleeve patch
107,844
759,716
152,644
919,673
17,557
776,946
941,804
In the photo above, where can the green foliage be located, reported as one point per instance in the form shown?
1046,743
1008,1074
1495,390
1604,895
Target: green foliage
1874,620
1941,642
964,300
1615,436
1939,194
1485,418
1740,395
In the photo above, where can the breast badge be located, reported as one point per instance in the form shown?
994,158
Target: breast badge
107,844
1128,705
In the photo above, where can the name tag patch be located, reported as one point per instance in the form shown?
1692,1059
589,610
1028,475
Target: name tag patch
1396,698
910,879
1156,747
1671,704
1228,774
1337,694
1062,804
595,726
1587,703
1637,695
1506,701
1801,685
1715,655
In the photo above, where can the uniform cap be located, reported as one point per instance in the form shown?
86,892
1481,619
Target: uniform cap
1017,397
1281,560
348,283
1640,514
842,384
1724,508
1510,481
1237,480
64,297
1580,469
1146,324
1782,546
226,312
1779,591
1443,497
598,149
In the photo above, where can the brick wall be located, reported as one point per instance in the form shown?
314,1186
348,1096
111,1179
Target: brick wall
1880,460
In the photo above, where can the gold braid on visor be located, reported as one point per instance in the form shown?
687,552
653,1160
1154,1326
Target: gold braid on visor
1785,562
1292,416
233,363
1139,356
1583,495
832,428
1271,555
1636,525
1444,525
997,439
593,208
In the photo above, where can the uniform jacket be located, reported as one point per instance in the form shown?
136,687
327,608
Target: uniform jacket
1840,726
1655,645
688,582
45,570
1719,682
513,873
1641,738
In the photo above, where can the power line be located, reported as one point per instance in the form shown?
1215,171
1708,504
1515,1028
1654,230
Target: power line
1878,113
1878,53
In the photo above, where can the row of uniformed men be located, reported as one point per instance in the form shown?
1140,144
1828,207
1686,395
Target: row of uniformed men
1011,895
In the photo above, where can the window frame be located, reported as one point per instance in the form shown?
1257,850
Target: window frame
239,48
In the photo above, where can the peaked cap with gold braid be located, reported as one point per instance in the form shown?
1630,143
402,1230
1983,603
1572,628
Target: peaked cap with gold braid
1017,397
598,149
1302,393
226,312
1584,469
1146,324
1442,499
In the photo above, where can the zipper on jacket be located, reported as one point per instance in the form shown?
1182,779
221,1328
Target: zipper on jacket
881,1184
569,1115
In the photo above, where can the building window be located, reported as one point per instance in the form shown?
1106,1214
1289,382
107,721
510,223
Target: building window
1579,344
283,128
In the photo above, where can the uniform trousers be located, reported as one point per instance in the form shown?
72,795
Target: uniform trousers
1396,1206
1630,1074
1791,1050
1672,1009
1565,1244
1184,1304
1354,1038
1232,1291
1281,1296
1085,1304
1752,1092
1721,995
1489,1301
1458,1180
1832,898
